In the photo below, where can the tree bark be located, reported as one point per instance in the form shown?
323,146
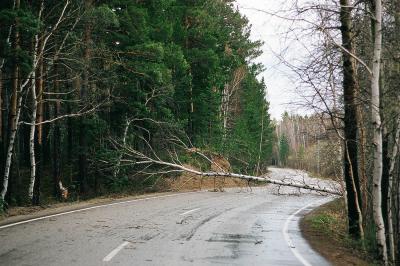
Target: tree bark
377,135
32,138
32,132
390,199
395,210
39,130
57,139
350,90
84,91
2,125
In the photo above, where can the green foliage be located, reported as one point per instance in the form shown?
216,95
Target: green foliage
145,61
252,128
103,14
118,185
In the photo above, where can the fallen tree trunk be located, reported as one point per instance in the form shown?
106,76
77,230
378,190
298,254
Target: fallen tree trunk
142,159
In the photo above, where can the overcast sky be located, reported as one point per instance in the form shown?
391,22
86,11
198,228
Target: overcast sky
272,31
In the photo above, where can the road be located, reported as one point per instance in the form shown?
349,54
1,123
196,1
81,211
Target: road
235,227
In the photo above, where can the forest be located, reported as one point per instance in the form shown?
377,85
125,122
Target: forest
111,96
81,80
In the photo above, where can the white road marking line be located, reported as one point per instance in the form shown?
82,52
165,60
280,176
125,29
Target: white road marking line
91,208
113,253
287,237
190,211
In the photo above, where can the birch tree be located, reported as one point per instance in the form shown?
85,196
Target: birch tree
34,109
377,136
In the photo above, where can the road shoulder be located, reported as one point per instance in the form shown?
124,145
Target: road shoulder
325,230
30,213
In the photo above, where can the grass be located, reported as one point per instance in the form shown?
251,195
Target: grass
326,230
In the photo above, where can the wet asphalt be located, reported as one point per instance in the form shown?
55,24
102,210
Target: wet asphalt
236,227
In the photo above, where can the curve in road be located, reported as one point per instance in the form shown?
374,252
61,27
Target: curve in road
236,227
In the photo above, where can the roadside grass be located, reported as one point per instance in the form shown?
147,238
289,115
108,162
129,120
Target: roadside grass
326,230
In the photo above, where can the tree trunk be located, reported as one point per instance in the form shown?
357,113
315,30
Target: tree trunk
395,210
2,125
33,115
39,130
377,135
362,164
350,89
385,182
32,138
390,199
57,139
84,91
190,126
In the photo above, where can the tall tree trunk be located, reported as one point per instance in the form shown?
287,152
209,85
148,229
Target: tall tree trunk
377,135
190,126
39,130
386,186
57,139
2,126
395,210
350,89
390,192
32,138
32,132
83,164
362,164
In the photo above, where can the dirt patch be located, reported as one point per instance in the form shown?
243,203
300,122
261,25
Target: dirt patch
325,230
188,182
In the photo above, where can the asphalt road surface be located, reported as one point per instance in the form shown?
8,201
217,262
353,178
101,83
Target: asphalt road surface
235,227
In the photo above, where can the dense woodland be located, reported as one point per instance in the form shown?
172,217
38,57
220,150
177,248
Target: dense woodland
81,80
104,96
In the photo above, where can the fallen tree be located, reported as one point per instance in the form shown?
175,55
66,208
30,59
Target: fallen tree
134,157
